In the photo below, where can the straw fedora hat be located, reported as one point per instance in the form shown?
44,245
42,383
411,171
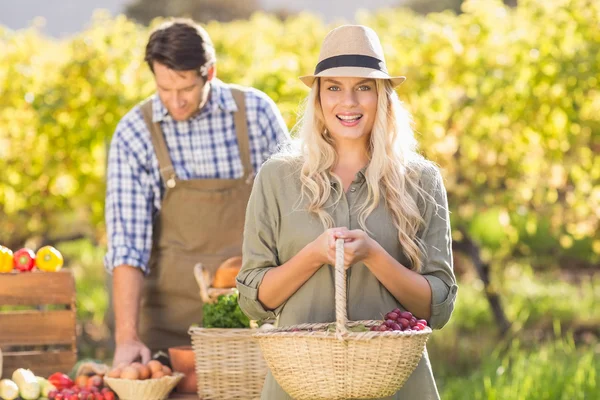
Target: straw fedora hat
352,51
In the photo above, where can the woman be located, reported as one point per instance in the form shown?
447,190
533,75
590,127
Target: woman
354,174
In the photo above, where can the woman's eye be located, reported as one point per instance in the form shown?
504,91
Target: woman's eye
364,87
333,88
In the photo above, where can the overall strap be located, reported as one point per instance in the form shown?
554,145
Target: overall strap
241,129
165,165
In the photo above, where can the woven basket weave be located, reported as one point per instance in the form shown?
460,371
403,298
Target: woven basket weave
148,389
229,364
311,363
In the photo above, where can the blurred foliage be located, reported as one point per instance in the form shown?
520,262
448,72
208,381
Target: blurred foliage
507,101
145,11
430,6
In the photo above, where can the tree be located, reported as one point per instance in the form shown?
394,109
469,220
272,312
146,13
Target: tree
429,6
203,11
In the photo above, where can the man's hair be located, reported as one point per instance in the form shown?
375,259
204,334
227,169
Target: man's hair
181,45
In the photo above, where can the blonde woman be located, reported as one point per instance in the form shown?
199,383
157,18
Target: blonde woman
353,174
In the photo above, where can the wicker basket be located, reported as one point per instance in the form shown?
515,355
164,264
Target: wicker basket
148,389
229,364
311,363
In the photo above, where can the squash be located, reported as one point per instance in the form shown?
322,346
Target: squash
29,387
8,390
226,273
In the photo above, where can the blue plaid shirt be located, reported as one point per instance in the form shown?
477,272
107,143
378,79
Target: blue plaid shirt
204,146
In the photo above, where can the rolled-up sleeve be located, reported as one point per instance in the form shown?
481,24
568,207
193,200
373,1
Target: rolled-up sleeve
437,241
129,198
259,251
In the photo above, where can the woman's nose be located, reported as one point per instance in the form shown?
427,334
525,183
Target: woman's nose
350,98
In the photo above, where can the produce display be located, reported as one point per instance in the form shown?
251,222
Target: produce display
24,385
46,259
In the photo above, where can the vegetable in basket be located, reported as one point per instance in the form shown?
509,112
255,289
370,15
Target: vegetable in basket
224,313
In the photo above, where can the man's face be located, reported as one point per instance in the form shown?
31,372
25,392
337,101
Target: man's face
182,92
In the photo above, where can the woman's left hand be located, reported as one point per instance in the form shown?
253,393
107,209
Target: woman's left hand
358,245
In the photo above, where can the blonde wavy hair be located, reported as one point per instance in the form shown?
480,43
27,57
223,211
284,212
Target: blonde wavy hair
392,174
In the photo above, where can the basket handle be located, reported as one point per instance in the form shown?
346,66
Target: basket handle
199,275
341,316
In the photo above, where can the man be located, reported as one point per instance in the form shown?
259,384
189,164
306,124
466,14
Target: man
180,170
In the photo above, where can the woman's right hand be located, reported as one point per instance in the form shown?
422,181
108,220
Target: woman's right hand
323,247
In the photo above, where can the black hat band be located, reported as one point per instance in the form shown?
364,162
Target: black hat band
351,60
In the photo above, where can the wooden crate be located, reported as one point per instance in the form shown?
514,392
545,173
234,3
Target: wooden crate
41,333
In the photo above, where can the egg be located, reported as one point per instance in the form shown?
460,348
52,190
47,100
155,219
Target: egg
115,373
144,371
154,366
130,373
166,370
158,375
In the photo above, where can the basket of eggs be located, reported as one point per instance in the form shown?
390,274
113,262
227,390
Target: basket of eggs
151,381
228,361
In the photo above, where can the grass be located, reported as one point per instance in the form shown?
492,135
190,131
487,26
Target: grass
552,351
557,370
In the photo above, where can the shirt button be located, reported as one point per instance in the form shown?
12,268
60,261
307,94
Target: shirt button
353,189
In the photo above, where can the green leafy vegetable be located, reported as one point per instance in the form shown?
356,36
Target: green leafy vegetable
225,313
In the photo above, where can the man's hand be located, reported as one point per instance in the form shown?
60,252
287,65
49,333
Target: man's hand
129,351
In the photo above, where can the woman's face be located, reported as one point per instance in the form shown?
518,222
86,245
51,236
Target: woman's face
349,106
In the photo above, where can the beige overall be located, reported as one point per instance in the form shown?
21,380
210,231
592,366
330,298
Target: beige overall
201,220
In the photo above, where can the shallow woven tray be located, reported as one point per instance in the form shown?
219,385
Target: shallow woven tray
148,389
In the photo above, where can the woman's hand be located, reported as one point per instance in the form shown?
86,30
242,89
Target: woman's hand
358,246
323,247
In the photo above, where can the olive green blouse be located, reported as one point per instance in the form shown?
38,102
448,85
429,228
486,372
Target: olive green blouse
278,226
